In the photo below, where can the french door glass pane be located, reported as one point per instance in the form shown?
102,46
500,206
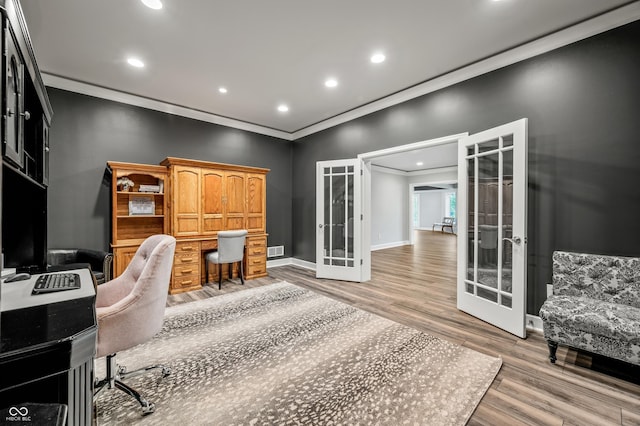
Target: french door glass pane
488,190
327,214
471,185
338,221
507,220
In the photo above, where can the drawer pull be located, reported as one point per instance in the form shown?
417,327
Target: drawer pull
187,271
186,282
188,248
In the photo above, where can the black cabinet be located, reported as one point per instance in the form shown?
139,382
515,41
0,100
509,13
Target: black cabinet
26,116
26,113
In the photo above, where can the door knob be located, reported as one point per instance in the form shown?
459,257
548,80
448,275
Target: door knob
514,240
320,226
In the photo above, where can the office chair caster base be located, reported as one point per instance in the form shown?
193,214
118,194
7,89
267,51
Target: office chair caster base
148,408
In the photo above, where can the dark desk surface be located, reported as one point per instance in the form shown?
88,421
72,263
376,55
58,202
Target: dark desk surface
59,327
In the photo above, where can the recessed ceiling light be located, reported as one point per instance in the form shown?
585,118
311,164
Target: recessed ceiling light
377,58
283,108
419,163
222,89
135,62
331,82
153,4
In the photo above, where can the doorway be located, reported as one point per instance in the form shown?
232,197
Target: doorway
390,177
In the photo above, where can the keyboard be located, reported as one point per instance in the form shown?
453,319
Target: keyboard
48,283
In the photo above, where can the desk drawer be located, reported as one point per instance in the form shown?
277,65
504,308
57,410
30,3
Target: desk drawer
186,258
187,247
208,245
257,250
183,283
185,270
256,270
256,242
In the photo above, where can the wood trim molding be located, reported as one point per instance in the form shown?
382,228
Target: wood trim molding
75,86
171,161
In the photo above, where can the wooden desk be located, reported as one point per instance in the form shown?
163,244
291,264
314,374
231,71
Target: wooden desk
47,346
189,269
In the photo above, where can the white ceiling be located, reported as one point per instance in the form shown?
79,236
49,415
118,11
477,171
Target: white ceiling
281,51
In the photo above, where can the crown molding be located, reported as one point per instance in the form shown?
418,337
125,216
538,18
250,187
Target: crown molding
58,82
605,22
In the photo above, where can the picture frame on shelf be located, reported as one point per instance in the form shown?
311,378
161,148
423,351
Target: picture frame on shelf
140,205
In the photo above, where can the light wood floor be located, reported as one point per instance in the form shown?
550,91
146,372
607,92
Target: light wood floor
415,285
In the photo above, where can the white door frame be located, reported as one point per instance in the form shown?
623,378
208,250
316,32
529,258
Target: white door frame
366,187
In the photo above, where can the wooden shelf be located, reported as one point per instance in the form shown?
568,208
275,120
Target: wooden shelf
130,230
140,216
138,193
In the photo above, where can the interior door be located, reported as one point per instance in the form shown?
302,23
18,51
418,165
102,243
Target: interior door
339,220
492,219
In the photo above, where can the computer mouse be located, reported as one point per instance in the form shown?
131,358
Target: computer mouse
17,277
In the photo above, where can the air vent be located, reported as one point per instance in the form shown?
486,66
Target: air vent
275,251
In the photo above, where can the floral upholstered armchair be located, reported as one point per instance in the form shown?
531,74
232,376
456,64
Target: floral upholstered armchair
595,305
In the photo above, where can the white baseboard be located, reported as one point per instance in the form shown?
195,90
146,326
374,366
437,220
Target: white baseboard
291,261
390,245
534,323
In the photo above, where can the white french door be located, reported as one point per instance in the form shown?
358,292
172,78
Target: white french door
492,221
339,220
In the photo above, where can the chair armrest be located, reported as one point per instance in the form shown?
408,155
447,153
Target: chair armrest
107,265
61,256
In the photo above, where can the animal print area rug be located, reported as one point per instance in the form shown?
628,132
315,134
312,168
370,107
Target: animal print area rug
281,354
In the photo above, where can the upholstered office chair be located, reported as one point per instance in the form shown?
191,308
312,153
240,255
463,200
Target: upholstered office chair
488,242
230,250
130,310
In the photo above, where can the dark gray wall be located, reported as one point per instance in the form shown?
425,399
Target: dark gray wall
87,132
583,105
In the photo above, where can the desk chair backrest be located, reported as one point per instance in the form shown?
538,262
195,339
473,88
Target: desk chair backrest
130,308
231,246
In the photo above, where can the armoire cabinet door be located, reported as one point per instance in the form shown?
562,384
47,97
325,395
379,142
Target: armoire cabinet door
186,199
256,202
234,203
121,258
212,201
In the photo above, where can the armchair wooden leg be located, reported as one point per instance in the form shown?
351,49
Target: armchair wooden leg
553,346
219,276
241,272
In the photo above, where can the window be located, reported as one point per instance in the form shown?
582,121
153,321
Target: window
450,204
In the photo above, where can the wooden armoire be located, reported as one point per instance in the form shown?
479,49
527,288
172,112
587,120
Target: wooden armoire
194,201
204,198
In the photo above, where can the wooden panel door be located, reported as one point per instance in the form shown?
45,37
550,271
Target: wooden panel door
256,202
121,258
186,201
235,201
212,201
